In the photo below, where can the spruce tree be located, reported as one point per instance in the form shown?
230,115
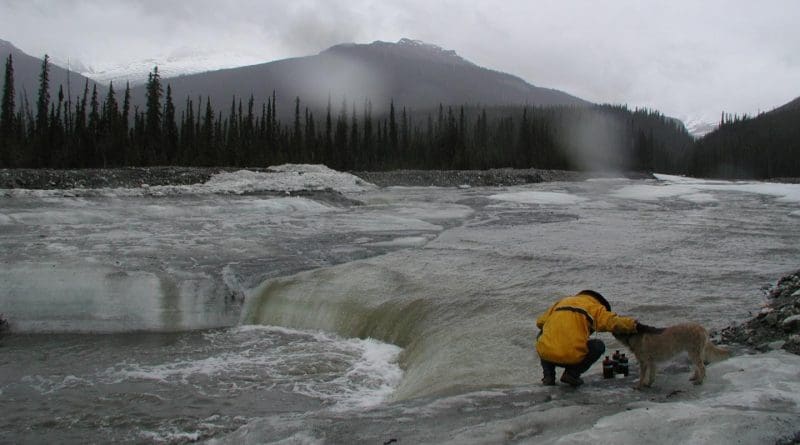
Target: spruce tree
297,135
392,134
207,136
93,131
354,147
42,110
170,127
123,127
7,110
153,118
109,123
310,138
43,102
328,157
368,148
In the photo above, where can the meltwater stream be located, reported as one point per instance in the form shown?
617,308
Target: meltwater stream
258,318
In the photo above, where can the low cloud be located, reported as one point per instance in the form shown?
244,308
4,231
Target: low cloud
682,57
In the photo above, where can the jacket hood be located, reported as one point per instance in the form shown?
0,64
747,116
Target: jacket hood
596,295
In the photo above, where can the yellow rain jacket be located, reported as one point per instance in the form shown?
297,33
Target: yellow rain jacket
566,327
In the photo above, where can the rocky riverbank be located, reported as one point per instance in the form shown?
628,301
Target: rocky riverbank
483,178
92,178
47,179
777,325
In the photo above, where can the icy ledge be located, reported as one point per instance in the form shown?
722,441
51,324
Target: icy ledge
745,399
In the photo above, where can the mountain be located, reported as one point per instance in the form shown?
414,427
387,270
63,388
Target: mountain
698,126
413,74
786,108
26,76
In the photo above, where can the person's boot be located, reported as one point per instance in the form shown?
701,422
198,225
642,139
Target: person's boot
549,380
571,380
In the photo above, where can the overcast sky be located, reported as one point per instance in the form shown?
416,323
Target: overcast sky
684,58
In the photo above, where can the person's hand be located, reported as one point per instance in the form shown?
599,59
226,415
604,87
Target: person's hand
642,328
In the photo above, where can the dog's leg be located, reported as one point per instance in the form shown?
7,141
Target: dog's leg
644,371
651,373
642,374
699,368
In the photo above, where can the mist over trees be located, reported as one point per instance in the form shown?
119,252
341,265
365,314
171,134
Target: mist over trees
87,132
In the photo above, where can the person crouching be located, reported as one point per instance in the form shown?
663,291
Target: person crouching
564,337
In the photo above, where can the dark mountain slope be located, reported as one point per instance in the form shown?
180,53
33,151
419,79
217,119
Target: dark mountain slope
26,76
413,74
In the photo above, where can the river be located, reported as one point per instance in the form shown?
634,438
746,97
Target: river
400,313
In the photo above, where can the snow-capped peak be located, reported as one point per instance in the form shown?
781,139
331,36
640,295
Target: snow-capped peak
699,126
179,62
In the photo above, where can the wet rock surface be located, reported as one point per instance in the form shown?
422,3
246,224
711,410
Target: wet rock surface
777,325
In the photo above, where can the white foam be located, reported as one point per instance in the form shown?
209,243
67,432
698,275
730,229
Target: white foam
372,378
172,436
369,381
51,384
544,198
346,373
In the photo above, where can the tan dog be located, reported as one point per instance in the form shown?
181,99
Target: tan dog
653,345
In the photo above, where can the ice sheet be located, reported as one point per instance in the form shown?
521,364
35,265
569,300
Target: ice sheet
686,187
746,399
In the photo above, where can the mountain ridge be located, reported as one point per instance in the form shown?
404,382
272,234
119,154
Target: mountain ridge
409,73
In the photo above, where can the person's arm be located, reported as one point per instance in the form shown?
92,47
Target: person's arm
543,318
607,321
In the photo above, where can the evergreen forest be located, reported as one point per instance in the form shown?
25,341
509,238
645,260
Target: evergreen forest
101,129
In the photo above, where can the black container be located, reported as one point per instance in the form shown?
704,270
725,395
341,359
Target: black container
615,361
623,365
608,368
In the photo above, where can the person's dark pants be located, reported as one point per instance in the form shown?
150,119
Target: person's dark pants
596,350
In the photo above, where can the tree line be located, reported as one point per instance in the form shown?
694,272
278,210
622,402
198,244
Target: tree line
762,147
89,132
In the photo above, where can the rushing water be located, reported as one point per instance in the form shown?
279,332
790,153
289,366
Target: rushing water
258,319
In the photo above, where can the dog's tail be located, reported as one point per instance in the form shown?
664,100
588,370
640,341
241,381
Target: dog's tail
713,353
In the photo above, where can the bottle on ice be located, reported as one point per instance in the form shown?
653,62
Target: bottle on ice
608,368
